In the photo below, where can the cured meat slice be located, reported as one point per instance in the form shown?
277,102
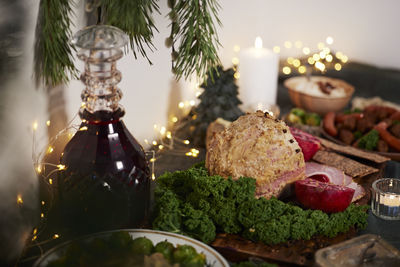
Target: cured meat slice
335,176
359,191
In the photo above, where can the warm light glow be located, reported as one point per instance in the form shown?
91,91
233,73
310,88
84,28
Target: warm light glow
288,44
34,238
61,167
169,135
83,104
306,51
186,142
152,160
320,66
84,128
43,203
174,119
258,43
198,93
286,70
154,143
19,199
338,66
153,177
50,181
181,105
321,46
146,141
155,126
56,236
276,49
41,215
290,60
163,130
302,69
50,150
322,54
189,154
35,125
326,50
344,59
160,147
48,123
236,75
339,55
38,169
298,44
311,60
236,48
296,63
35,231
316,57
192,102
235,61
329,58
329,40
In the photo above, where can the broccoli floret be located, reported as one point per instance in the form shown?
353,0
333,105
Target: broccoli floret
369,141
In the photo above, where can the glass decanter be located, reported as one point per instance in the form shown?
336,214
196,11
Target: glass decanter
106,181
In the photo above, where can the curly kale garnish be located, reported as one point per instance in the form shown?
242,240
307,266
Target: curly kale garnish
194,203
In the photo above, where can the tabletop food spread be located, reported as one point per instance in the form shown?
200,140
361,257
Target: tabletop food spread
236,177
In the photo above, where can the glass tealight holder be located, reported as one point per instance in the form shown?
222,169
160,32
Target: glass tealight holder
385,201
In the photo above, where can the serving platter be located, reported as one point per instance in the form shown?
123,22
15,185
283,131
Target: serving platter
213,258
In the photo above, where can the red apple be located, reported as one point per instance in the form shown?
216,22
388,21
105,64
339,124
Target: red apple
327,197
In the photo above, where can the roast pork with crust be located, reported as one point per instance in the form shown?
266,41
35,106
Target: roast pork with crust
257,145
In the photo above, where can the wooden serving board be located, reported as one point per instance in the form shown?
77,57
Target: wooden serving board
301,252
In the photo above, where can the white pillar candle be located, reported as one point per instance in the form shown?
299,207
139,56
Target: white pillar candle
258,68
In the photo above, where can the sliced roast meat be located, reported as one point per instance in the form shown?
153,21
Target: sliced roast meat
334,176
359,191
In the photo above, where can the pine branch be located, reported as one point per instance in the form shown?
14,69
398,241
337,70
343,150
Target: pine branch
134,17
53,59
193,24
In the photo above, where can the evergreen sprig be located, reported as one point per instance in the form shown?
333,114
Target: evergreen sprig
193,24
134,17
192,27
53,59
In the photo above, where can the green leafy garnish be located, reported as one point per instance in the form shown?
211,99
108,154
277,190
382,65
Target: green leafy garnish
369,141
194,203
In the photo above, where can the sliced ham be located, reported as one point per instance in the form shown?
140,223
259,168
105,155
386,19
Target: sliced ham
335,176
324,173
359,191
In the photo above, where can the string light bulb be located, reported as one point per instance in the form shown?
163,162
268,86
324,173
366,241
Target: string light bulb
276,49
19,199
329,40
286,70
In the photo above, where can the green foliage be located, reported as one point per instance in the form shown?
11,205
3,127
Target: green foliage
53,59
218,100
193,30
134,17
370,140
193,25
193,203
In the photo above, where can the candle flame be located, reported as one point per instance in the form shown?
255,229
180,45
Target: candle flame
258,43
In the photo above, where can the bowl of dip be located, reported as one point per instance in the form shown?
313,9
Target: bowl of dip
319,94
